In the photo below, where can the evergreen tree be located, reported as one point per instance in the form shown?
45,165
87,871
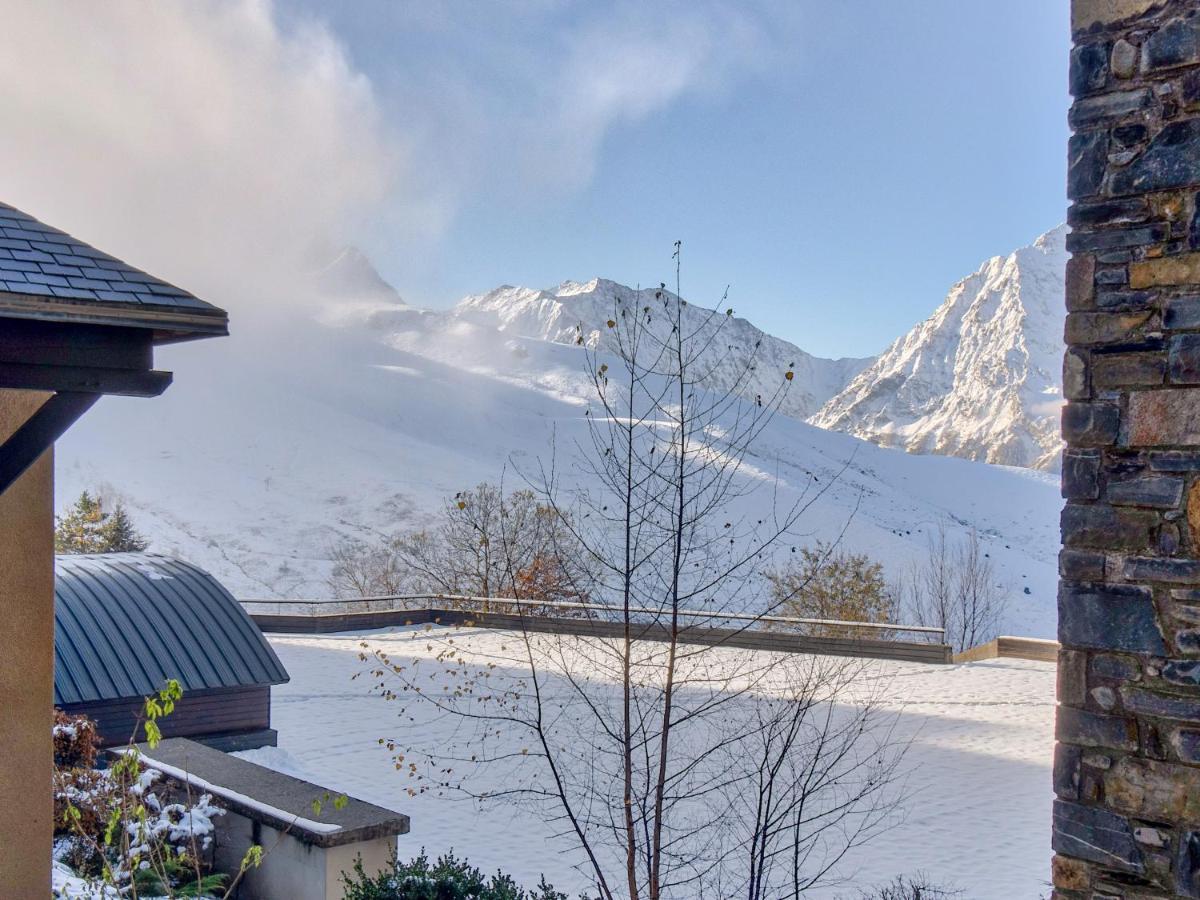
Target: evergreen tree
86,528
82,529
120,535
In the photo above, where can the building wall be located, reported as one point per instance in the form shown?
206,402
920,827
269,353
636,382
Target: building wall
197,714
26,665
290,867
1127,763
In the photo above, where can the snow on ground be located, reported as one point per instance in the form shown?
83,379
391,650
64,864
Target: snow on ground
982,744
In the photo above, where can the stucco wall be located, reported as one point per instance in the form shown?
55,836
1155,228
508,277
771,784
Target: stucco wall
26,665
291,868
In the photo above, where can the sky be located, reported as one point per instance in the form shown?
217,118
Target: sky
837,165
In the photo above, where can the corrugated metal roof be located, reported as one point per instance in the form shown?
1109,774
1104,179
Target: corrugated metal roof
38,261
126,622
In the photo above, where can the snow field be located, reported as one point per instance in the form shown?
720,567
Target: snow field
981,743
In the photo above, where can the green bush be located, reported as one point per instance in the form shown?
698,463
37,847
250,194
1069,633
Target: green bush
447,879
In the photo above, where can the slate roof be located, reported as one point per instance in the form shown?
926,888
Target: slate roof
126,622
39,262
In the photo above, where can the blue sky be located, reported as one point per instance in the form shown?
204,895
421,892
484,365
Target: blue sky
840,165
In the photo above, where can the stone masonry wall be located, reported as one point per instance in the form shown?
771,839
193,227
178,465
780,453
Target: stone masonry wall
1127,763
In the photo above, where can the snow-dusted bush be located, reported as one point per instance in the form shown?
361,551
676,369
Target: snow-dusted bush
75,741
447,879
123,832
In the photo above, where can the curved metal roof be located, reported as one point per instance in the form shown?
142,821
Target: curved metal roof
126,622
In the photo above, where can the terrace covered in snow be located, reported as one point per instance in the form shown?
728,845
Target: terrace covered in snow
977,781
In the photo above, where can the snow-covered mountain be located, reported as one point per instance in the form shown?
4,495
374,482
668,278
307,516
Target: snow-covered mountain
573,310
293,434
981,377
351,276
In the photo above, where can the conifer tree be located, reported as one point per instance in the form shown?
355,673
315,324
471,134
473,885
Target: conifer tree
81,530
86,528
120,535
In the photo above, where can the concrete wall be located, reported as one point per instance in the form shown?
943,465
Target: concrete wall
26,666
291,868
1127,763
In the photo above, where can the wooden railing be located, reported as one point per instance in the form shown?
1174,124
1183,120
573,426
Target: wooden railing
747,630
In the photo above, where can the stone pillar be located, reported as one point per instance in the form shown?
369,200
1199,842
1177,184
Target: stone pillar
1127,763
26,665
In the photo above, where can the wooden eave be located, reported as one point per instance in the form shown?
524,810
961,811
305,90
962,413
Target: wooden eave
167,324
75,361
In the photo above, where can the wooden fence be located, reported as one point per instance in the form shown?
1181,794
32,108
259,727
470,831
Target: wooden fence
782,633
1011,648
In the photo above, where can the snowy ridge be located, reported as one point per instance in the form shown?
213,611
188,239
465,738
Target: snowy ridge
981,377
555,315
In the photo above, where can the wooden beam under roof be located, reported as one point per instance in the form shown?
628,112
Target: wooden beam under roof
76,364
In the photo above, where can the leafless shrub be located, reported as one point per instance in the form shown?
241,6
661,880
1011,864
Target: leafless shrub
955,588
827,582
484,544
910,887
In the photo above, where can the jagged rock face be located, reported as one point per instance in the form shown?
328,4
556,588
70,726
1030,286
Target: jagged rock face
352,276
573,310
981,377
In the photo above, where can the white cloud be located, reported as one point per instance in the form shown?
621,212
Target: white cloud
519,97
195,139
223,144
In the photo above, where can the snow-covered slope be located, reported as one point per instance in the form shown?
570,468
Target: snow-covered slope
982,730
274,444
556,314
981,377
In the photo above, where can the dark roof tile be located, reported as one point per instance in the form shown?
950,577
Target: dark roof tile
22,234
43,278
31,288
32,255
167,290
64,271
40,260
112,296
18,265
72,292
70,259
91,283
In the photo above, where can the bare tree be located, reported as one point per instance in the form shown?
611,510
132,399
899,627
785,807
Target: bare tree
678,769
910,887
485,544
827,582
955,588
